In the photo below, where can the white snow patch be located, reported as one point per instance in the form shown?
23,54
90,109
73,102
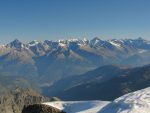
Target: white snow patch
115,44
79,106
62,44
73,40
33,43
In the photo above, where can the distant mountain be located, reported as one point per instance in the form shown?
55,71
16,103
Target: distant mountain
104,83
50,61
99,75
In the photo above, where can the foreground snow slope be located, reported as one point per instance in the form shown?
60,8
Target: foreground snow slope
136,102
79,106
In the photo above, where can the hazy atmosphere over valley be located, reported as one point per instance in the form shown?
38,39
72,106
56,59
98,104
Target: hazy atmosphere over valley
74,56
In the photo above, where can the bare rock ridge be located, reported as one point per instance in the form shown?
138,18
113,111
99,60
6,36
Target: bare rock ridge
15,100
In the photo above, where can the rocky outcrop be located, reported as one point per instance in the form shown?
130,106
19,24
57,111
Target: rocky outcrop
39,108
14,101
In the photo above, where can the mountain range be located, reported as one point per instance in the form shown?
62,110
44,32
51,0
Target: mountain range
42,63
72,70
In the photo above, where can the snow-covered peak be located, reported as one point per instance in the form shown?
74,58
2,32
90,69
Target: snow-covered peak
52,44
73,40
120,44
78,42
85,40
67,43
16,44
62,43
96,41
115,43
33,43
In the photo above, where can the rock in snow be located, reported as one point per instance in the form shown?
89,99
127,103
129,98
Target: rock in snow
136,102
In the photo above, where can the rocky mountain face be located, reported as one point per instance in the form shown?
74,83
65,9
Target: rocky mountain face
14,101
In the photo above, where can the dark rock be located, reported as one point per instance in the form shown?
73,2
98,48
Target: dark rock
39,108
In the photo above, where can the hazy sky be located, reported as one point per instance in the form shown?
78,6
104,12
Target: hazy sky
61,19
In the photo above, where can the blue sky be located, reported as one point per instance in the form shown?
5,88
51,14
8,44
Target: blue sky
62,19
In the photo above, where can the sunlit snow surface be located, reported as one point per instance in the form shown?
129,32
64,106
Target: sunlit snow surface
136,102
79,106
